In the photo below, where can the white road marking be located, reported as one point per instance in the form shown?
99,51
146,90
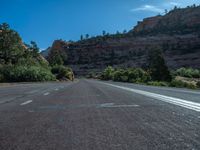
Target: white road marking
27,102
32,92
112,105
56,89
47,93
176,101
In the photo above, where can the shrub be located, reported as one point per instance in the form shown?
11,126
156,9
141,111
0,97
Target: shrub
138,75
156,83
180,84
120,75
1,78
134,75
63,72
188,72
26,73
198,84
107,73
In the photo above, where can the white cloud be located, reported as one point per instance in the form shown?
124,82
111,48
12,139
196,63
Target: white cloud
161,7
151,8
174,4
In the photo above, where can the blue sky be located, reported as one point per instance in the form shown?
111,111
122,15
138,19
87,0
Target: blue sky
44,21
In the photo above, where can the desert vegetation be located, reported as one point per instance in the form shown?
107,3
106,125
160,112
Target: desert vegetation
141,76
156,73
20,62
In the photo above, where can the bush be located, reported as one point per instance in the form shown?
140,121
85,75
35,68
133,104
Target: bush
180,84
156,83
63,72
107,73
120,75
198,84
1,78
188,72
25,74
134,75
138,75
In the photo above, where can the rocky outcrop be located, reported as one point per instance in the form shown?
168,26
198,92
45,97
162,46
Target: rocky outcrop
147,24
177,21
180,44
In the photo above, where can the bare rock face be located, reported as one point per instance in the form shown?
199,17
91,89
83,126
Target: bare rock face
185,20
176,33
147,24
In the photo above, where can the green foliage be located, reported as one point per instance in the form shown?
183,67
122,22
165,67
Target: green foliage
22,62
198,84
180,84
120,75
63,72
11,46
14,73
156,83
107,73
134,75
55,58
188,72
156,64
138,75
56,55
32,49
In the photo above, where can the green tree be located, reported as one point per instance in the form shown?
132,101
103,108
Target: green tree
82,37
33,49
157,66
103,32
117,32
55,58
87,36
11,45
124,32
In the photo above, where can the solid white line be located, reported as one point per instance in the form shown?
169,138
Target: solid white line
27,102
176,101
45,94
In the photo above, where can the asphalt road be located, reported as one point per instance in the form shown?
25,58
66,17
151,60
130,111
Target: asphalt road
95,115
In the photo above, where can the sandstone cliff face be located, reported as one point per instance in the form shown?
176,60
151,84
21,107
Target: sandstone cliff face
179,51
130,50
147,24
185,20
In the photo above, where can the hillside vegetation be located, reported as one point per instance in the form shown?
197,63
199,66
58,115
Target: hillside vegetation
176,33
156,73
141,76
21,62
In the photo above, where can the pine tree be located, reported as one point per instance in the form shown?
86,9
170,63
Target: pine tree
157,66
103,32
82,37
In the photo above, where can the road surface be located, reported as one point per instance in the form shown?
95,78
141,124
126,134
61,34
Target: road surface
96,115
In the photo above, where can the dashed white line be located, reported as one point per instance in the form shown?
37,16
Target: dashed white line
112,105
176,101
47,93
27,102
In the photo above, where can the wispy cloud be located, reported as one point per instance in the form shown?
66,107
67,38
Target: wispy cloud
174,4
160,7
151,8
